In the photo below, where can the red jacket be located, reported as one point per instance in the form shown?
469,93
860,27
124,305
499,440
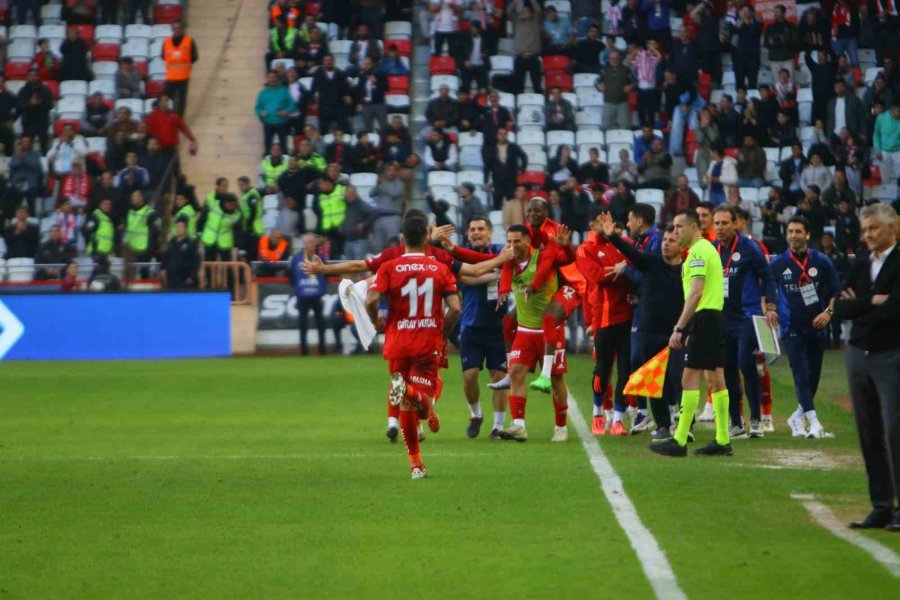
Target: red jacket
607,299
165,127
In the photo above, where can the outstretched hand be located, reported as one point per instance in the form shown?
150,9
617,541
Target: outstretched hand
312,267
442,234
607,223
563,235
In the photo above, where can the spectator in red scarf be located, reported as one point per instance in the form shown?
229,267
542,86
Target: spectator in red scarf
45,61
76,186
845,31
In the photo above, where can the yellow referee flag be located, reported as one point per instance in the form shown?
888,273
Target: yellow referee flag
648,380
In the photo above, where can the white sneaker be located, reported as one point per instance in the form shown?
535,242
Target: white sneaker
503,384
417,471
560,434
514,432
756,431
631,411
768,426
816,430
795,422
708,415
398,388
737,432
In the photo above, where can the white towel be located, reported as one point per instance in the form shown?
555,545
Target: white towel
353,299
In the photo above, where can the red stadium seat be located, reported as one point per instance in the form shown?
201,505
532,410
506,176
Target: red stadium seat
559,79
110,104
442,65
540,194
166,14
60,123
17,70
85,32
404,47
705,80
108,52
313,8
54,88
535,178
874,176
155,87
732,152
141,67
398,84
692,146
556,62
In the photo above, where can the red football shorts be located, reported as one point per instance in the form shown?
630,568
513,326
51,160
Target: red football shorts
569,298
528,349
421,373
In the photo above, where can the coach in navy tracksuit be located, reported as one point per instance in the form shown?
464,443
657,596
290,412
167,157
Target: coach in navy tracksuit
481,332
745,268
807,287
309,290
647,238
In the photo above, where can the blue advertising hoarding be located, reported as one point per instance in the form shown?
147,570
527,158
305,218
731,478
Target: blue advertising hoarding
114,326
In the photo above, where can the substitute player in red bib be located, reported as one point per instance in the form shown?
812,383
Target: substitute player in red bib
417,286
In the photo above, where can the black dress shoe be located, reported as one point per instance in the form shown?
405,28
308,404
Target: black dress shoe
894,525
877,519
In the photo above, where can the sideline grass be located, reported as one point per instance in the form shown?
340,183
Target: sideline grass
271,478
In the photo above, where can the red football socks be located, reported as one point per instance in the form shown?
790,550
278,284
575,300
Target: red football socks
517,407
410,435
560,410
765,382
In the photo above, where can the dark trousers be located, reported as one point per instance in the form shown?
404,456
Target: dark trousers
134,6
38,129
613,343
304,305
649,345
178,92
875,393
746,70
442,38
478,74
835,328
269,133
647,105
636,355
805,353
337,242
531,65
23,7
740,360
329,115
711,64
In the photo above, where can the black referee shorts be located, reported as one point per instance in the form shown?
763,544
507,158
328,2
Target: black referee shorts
706,341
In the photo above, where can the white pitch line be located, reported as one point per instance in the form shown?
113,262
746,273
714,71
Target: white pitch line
886,557
653,560
161,458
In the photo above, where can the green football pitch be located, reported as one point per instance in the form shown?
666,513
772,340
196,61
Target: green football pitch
271,478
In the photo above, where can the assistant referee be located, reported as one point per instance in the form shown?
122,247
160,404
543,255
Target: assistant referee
700,329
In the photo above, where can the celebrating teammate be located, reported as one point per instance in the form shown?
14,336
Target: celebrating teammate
533,282
416,286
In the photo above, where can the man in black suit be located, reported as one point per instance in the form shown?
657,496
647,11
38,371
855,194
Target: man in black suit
494,117
871,299
503,161
473,58
334,93
789,171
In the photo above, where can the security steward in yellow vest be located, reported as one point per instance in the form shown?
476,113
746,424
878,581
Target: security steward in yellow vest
184,211
222,230
282,42
141,231
330,207
251,205
179,53
100,230
271,168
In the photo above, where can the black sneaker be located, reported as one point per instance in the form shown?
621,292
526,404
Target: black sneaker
474,427
662,434
714,449
392,433
669,448
495,435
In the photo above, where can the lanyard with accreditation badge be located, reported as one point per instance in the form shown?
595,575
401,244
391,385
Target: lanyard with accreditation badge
807,289
727,266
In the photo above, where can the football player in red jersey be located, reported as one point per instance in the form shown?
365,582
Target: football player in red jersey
373,263
416,285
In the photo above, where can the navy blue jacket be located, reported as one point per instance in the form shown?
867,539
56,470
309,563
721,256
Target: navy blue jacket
745,265
794,316
479,311
305,286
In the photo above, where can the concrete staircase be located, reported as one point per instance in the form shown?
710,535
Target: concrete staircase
231,38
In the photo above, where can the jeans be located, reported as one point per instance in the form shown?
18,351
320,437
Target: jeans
755,182
356,249
615,116
649,345
841,45
679,117
740,361
805,352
